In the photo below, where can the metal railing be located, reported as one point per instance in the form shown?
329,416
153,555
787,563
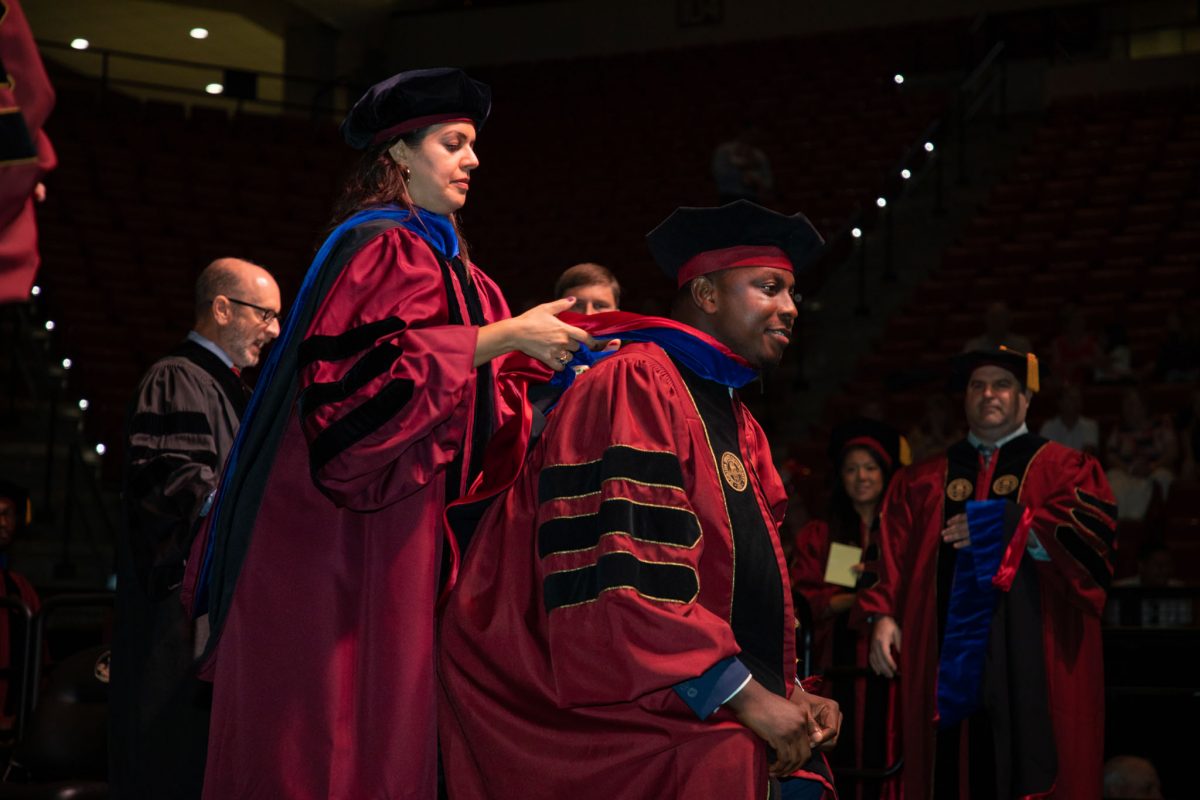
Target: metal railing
985,88
804,655
103,65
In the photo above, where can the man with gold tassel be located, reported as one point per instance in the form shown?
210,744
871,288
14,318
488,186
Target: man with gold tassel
995,560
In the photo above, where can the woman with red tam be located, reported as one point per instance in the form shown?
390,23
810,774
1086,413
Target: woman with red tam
865,454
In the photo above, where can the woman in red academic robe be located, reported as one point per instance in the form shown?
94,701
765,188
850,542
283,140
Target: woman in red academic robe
865,454
324,554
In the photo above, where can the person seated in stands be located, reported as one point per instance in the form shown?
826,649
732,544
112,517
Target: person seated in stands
594,288
1070,427
1131,778
1074,352
1114,364
1178,358
741,169
1156,568
15,513
996,333
836,556
1141,453
936,430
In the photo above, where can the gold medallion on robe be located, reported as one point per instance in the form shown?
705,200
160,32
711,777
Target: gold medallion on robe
733,472
959,489
1006,484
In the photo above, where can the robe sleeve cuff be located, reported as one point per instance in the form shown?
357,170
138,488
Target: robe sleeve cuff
717,685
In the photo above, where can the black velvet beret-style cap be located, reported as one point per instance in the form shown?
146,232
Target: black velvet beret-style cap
1023,366
696,241
415,99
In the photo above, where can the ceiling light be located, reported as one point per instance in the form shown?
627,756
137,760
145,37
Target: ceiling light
906,174
79,44
214,88
198,33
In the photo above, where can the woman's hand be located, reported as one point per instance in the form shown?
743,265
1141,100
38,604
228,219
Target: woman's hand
538,333
885,640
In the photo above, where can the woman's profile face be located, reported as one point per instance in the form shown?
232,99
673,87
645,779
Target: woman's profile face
440,167
861,476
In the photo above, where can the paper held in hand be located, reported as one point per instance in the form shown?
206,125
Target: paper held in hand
841,558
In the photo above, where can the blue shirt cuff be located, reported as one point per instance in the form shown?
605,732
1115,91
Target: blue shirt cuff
718,684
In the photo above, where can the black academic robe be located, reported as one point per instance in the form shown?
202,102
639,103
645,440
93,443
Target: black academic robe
181,426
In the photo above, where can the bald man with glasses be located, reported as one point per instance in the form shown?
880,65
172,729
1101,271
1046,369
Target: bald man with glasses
182,424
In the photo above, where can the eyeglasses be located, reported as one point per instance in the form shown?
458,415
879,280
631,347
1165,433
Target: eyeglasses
264,314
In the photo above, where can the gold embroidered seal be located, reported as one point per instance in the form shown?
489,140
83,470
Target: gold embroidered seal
1006,484
733,471
959,489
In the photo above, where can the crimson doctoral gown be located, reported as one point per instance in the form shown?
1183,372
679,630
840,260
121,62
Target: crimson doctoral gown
637,548
1043,714
324,667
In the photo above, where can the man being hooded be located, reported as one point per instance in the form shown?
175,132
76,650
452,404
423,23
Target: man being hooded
622,624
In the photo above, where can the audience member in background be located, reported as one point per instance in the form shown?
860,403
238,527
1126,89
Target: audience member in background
1187,424
15,513
1070,427
182,424
741,169
328,549
994,564
1114,364
996,333
1131,778
594,288
1156,568
1141,453
1178,358
936,430
864,454
1074,352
